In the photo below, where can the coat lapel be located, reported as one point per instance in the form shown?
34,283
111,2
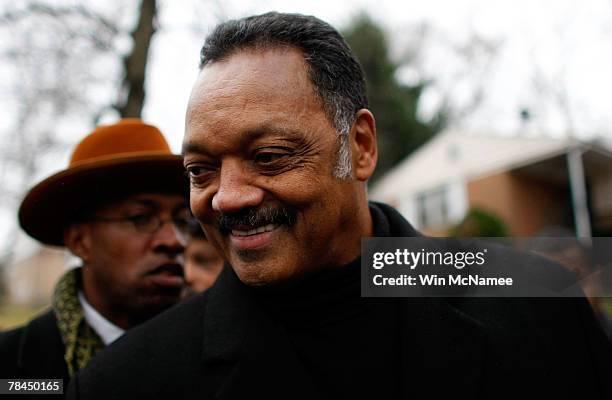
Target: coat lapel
247,352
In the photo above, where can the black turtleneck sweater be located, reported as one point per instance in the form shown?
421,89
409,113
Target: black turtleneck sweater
347,344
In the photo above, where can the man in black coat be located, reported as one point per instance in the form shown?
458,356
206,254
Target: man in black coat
279,145
111,215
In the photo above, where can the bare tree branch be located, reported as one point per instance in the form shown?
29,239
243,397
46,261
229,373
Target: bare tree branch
135,63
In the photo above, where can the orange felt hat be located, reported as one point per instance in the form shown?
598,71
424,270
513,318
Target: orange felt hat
117,160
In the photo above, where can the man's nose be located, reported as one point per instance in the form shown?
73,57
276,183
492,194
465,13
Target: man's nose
167,239
236,190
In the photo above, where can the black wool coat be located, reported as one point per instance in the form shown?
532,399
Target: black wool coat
222,345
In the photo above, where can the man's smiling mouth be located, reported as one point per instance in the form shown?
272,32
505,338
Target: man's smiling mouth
256,221
255,231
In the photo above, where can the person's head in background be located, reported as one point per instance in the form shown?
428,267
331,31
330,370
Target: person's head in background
203,263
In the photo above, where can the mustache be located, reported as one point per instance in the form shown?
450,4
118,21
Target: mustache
251,217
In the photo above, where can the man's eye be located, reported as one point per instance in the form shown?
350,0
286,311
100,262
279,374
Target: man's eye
140,220
198,173
184,222
268,158
195,171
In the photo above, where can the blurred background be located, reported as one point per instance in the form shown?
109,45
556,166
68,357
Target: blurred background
493,116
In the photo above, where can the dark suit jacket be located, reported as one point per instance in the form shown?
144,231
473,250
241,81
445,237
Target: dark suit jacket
222,345
35,350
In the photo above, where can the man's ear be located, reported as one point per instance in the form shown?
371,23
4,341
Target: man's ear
77,238
364,150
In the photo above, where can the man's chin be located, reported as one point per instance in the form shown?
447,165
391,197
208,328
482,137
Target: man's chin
262,274
161,299
254,280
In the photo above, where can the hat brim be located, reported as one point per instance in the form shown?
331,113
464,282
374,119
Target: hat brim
58,200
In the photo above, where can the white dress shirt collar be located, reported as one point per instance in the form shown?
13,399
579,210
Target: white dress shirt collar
107,331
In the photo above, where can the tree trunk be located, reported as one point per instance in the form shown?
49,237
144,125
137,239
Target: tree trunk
135,63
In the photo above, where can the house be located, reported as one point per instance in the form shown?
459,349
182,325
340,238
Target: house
528,182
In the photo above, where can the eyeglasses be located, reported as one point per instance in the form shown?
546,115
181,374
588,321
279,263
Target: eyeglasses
151,223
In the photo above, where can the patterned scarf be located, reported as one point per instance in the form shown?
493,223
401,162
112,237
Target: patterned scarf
79,338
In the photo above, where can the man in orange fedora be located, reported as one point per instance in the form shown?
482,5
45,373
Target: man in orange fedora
121,207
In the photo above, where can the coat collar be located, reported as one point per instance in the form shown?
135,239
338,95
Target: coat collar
228,313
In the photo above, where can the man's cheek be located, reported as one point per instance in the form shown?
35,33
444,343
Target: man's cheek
198,200
216,239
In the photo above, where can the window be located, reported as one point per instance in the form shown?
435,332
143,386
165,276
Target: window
432,208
